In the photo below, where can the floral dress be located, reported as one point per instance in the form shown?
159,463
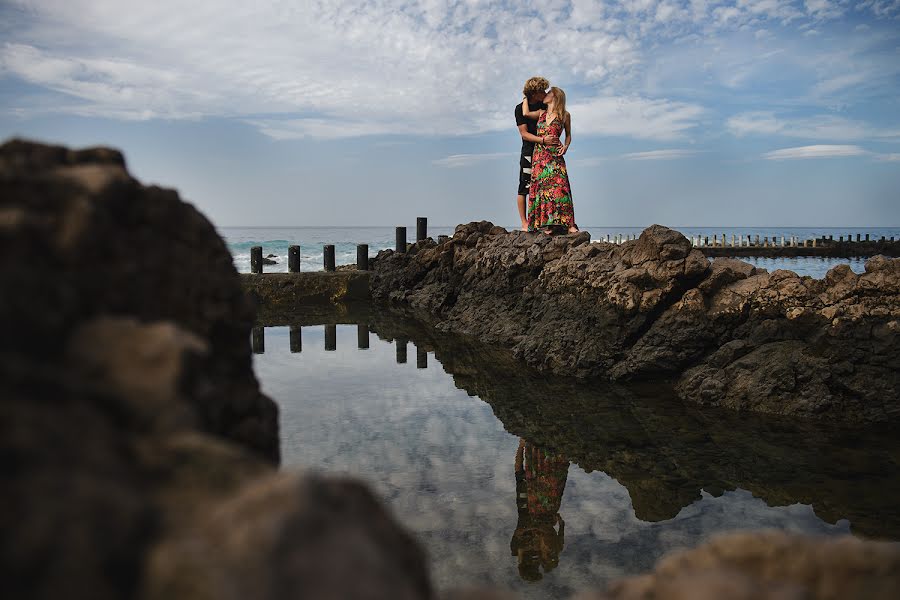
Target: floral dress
550,194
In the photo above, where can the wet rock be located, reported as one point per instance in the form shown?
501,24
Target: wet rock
769,565
269,261
656,308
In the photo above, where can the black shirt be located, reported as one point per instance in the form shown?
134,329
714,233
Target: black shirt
528,147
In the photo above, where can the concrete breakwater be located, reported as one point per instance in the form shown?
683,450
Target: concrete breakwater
727,333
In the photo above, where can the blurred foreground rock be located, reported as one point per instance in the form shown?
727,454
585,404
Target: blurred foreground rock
769,565
656,308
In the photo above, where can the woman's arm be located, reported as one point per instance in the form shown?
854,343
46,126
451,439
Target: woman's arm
567,123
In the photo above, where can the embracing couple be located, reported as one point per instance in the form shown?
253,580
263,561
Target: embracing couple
542,118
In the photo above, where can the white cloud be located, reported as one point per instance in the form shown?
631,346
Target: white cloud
635,117
466,160
894,157
324,68
670,154
818,127
820,151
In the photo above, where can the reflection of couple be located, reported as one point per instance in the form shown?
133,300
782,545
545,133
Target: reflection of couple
540,481
542,118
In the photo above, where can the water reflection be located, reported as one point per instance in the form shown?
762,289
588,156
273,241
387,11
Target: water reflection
606,478
540,531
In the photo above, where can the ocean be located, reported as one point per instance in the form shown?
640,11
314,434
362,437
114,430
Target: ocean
275,241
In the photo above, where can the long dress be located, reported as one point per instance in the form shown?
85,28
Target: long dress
550,194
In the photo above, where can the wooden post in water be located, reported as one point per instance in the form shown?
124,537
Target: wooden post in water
421,228
362,336
362,257
328,256
607,235
296,338
814,242
705,238
732,240
715,240
867,237
293,259
757,240
401,350
858,236
258,340
400,242
256,264
330,338
766,241
840,238
421,358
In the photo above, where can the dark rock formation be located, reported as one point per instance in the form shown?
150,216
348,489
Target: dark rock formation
655,308
769,565
132,427
125,333
81,239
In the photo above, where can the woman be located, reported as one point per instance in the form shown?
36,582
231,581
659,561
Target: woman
550,194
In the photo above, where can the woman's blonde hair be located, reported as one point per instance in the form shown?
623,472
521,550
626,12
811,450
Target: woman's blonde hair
535,85
560,103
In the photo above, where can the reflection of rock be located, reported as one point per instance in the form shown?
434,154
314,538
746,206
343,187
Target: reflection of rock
656,308
665,451
769,565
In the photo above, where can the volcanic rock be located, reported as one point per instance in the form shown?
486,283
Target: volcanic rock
656,308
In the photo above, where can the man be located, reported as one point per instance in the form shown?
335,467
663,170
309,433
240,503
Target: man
534,90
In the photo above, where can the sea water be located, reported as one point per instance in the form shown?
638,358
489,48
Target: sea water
275,242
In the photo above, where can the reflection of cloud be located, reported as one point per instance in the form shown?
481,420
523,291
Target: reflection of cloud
466,160
820,151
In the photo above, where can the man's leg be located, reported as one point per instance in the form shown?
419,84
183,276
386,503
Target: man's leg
520,199
524,184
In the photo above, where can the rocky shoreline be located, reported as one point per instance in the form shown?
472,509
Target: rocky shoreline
728,334
138,451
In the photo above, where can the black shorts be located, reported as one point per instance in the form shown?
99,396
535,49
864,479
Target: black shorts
524,175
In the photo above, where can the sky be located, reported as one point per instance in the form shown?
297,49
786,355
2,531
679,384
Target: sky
684,112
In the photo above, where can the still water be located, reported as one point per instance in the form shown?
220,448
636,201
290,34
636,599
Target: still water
545,486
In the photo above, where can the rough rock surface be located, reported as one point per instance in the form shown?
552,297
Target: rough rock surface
769,565
655,308
81,239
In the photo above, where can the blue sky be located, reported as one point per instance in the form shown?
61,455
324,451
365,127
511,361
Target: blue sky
697,112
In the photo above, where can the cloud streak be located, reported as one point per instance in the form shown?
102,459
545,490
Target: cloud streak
466,160
819,151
